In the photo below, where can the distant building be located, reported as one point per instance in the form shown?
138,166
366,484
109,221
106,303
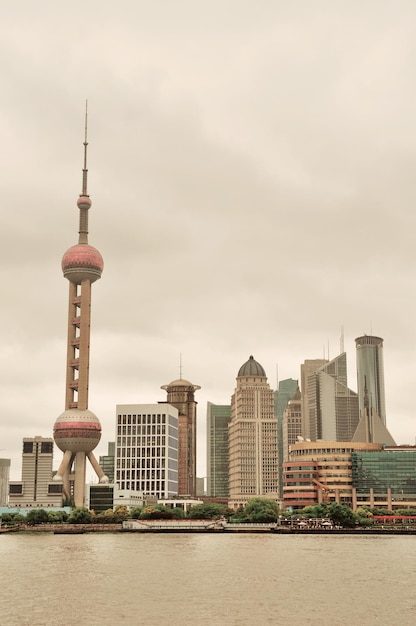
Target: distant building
218,419
36,489
308,367
4,481
253,452
147,450
107,461
292,423
181,395
370,375
332,406
282,395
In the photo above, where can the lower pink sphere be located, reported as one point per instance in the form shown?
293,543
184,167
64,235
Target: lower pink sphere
77,431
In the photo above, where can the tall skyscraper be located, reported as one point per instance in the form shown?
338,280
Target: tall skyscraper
147,449
77,431
370,375
36,489
292,423
333,407
253,453
218,418
282,395
4,481
180,394
308,367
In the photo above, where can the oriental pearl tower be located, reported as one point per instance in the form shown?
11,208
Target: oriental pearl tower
77,430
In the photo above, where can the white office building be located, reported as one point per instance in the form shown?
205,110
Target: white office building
147,450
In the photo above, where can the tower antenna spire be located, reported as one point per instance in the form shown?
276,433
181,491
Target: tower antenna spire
85,170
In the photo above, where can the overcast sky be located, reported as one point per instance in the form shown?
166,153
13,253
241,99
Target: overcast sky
251,168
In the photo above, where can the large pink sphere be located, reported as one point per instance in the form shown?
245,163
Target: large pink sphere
77,431
81,262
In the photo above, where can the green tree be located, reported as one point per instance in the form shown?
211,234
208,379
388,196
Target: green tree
261,510
315,511
106,517
342,515
208,510
37,516
136,512
11,519
383,512
159,511
57,517
121,512
239,514
405,512
80,515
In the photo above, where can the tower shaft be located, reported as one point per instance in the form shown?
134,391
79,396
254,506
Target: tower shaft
78,346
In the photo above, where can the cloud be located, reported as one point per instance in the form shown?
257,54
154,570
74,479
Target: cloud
251,172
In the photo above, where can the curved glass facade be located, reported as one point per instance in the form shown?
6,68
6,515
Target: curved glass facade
370,375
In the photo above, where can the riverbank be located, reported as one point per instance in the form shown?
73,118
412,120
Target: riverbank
77,529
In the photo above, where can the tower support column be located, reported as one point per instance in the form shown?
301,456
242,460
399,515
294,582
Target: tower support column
79,481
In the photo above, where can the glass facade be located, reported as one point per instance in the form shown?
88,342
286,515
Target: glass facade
101,498
370,374
375,473
218,418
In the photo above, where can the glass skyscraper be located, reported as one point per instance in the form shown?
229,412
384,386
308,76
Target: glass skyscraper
218,418
370,375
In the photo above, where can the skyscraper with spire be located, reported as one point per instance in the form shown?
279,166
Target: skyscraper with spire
77,431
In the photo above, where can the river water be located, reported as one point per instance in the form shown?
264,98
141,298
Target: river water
210,579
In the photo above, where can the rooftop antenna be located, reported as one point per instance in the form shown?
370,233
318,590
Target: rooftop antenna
180,366
277,376
85,170
84,201
341,341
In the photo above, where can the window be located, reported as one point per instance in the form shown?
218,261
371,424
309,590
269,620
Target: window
16,489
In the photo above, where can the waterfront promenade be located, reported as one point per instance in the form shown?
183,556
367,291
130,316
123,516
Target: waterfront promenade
205,526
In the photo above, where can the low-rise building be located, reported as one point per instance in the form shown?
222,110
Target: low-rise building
357,474
37,488
386,478
321,471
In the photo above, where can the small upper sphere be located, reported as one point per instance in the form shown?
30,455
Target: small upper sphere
84,202
82,262
251,368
